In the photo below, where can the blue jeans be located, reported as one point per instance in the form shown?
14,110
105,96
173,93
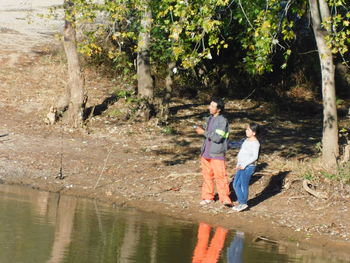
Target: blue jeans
241,183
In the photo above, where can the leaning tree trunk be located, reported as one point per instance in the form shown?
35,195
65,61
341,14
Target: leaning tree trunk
144,77
330,147
75,89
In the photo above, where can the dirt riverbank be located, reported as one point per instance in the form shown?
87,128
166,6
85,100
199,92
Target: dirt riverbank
145,166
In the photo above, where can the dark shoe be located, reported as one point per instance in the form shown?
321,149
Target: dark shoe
227,204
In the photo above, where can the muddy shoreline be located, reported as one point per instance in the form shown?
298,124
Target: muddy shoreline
118,188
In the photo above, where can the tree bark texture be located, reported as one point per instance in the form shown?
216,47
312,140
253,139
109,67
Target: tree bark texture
168,90
75,88
144,77
330,147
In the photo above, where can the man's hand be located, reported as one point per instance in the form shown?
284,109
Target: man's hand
200,130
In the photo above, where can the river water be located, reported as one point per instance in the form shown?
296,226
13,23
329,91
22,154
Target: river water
38,226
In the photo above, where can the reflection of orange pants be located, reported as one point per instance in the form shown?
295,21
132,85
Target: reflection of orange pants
215,169
203,254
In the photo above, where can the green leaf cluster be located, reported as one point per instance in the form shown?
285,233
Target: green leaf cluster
192,31
338,27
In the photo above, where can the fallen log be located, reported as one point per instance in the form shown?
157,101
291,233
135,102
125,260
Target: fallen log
317,194
289,183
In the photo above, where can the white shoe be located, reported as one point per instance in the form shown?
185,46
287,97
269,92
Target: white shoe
240,207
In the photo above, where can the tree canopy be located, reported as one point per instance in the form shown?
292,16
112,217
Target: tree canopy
231,37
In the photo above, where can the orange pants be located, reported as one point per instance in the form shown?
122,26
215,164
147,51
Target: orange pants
203,254
215,169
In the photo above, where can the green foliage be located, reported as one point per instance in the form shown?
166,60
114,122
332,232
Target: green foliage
115,113
168,130
192,29
344,131
338,27
128,96
268,26
109,31
318,147
308,175
266,29
191,32
342,174
339,101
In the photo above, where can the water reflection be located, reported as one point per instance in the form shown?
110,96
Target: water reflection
209,254
56,209
64,225
235,251
44,227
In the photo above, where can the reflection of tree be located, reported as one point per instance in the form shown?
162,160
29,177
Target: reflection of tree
39,200
23,236
131,238
203,253
153,232
64,225
154,247
42,203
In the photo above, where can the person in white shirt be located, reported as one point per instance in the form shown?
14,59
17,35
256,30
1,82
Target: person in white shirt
246,164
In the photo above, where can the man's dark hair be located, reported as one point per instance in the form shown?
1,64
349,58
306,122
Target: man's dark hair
220,103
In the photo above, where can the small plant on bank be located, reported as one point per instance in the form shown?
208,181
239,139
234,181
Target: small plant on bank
168,130
342,175
308,175
318,147
115,113
128,95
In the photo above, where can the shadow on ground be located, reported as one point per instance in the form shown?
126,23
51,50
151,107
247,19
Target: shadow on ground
289,134
274,187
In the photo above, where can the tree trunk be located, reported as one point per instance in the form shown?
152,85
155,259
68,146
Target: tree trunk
164,113
75,90
330,147
144,77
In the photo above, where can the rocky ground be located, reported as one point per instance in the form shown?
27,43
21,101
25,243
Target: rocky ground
156,168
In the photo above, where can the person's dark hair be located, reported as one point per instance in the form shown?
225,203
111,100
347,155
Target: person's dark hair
255,128
220,103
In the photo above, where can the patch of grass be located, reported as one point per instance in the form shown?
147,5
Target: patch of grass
128,95
308,175
292,240
343,174
168,130
308,235
114,113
